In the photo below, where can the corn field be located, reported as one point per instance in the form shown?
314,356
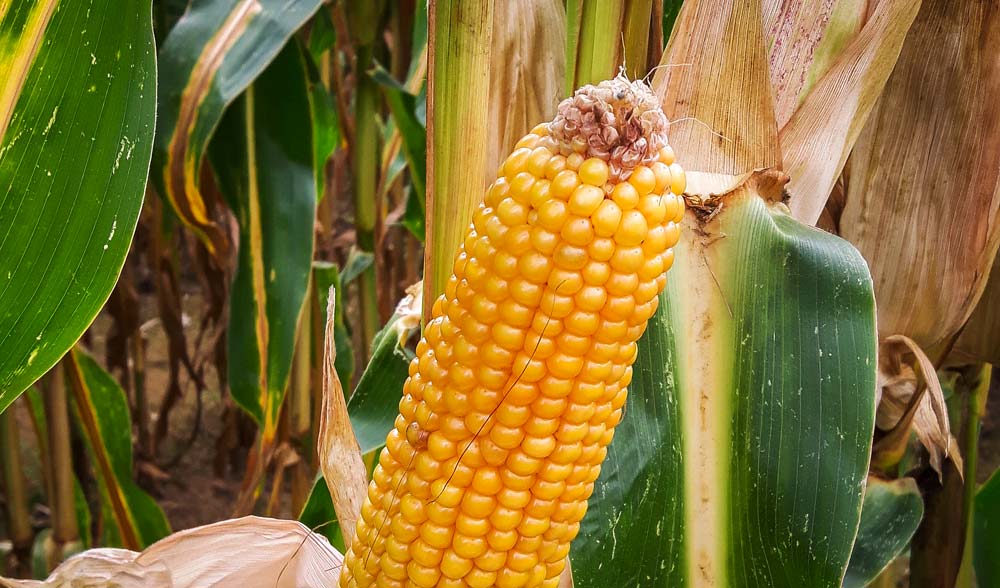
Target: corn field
521,294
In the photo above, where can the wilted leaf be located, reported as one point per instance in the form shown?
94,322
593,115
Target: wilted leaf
104,417
891,513
77,101
911,398
724,86
210,56
923,199
250,552
339,454
821,133
264,161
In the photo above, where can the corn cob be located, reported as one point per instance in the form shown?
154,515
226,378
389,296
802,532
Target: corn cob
521,375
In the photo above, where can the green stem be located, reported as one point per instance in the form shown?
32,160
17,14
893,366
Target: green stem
599,49
975,405
364,164
636,30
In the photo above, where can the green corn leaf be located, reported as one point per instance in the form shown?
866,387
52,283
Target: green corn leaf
263,159
103,413
209,58
319,515
77,101
891,513
986,532
744,448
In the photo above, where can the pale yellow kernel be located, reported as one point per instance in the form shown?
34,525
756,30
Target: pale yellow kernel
478,578
497,191
666,155
521,188
625,195
601,249
673,233
582,322
471,526
553,214
539,194
661,172
517,161
492,560
454,565
643,180
574,161
596,272
678,181
539,158
535,267
570,257
578,231
565,282
607,218
502,540
564,184
585,199
654,208
594,171
543,240
422,576
633,228
556,164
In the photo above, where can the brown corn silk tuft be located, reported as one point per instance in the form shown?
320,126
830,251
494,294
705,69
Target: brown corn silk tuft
521,375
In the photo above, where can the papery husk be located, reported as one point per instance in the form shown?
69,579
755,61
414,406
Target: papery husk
340,457
794,30
723,84
923,201
980,338
526,73
820,134
250,552
911,399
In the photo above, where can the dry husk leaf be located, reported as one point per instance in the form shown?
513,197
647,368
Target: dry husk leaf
251,552
339,453
526,72
794,29
923,201
724,85
821,133
911,398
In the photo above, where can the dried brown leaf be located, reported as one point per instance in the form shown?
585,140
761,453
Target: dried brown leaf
794,29
911,398
723,85
339,453
923,201
251,552
820,134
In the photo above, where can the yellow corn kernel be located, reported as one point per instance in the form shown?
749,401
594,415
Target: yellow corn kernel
523,371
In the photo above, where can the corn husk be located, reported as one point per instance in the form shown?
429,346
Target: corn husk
718,99
340,457
923,200
250,552
980,339
819,136
911,399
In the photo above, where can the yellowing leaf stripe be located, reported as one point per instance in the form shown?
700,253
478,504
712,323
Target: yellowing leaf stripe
17,54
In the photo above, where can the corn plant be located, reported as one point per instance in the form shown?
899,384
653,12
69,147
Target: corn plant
690,293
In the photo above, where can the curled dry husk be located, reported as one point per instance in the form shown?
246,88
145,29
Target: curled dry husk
251,552
911,399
